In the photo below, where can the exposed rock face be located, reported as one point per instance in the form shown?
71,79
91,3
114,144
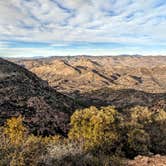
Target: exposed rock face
45,110
156,160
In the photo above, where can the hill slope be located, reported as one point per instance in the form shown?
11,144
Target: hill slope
83,73
123,98
45,110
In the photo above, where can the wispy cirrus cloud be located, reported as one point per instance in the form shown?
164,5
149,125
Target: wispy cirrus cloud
67,23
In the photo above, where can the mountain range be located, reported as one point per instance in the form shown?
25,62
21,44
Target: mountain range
46,91
85,73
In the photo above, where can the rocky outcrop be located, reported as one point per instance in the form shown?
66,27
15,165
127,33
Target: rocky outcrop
156,160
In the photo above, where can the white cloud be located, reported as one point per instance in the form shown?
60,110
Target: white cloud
60,44
121,21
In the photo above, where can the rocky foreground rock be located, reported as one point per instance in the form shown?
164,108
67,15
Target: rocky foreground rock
155,160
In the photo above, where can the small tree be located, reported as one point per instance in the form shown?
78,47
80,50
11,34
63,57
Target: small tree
157,132
95,127
141,114
14,130
138,141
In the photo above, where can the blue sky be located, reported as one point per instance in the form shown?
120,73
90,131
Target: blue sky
75,27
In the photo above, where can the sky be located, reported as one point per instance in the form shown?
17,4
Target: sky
31,28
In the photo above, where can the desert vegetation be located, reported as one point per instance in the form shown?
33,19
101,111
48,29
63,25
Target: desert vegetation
97,136
102,127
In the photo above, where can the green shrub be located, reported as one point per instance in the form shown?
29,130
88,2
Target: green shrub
157,132
141,115
17,148
95,127
98,136
139,142
14,130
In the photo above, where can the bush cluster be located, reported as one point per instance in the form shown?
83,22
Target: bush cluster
19,148
98,136
96,128
136,131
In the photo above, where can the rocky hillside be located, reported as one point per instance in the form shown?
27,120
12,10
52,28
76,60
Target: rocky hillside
123,98
84,73
45,110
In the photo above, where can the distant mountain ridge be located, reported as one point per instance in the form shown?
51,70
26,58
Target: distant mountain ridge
84,73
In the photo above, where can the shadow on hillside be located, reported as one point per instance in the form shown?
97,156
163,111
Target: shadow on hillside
124,98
